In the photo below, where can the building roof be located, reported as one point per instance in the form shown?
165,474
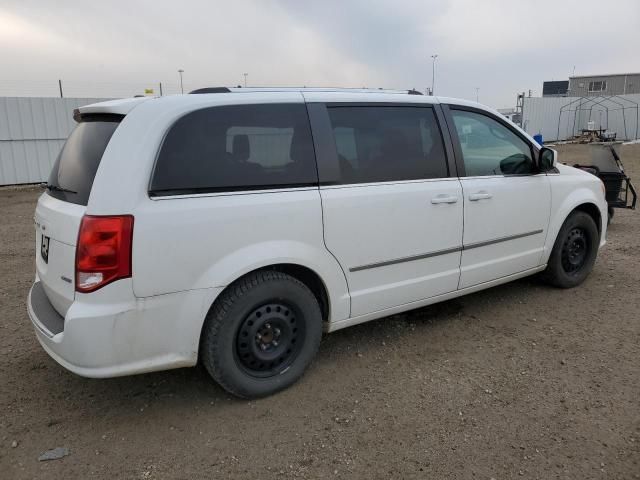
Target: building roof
605,75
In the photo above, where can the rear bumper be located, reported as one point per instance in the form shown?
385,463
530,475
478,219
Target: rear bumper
44,317
125,338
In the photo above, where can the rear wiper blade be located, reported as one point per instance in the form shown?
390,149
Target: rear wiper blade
55,188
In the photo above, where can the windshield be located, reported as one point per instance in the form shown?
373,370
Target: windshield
75,168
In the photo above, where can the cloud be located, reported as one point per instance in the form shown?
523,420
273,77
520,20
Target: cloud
499,46
17,34
494,28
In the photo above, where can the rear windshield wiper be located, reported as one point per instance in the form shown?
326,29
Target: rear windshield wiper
55,188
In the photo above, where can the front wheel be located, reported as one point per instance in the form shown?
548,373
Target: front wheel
574,252
261,334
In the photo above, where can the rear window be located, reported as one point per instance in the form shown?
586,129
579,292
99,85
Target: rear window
75,168
240,147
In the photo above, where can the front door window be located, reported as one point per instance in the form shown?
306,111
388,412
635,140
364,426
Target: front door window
490,148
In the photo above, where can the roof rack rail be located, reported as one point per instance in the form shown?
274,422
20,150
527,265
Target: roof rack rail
311,89
210,90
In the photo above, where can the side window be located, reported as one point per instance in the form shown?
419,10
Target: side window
240,147
265,146
378,144
490,148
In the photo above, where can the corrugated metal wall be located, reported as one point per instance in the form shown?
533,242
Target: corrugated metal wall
559,118
32,132
627,84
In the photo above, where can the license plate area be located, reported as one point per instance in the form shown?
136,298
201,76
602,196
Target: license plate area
44,248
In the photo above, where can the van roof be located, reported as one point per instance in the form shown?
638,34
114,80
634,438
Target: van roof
328,94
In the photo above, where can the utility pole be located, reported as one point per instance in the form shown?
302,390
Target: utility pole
433,74
60,87
181,71
160,84
245,79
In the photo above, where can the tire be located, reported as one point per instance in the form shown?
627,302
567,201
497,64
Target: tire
574,251
261,334
610,213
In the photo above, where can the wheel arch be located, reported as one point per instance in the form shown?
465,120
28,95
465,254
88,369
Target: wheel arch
330,307
582,200
310,278
303,273
593,211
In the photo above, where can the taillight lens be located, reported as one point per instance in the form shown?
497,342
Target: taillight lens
103,252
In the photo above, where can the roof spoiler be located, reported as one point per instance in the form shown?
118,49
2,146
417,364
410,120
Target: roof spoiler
78,116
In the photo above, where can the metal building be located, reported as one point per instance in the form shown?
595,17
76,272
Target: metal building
597,85
32,132
555,88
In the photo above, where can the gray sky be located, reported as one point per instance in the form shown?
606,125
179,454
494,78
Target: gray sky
500,46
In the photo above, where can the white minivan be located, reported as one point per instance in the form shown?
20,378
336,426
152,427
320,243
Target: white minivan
232,227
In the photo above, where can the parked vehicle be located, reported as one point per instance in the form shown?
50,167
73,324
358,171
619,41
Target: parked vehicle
232,228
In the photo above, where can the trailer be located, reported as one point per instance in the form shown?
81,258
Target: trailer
606,164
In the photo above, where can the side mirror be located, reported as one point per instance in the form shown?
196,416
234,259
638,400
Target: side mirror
547,159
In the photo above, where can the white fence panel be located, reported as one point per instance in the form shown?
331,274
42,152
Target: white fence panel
32,132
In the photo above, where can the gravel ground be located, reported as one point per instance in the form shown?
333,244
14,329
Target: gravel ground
519,381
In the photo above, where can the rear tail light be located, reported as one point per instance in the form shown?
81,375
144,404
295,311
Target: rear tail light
103,253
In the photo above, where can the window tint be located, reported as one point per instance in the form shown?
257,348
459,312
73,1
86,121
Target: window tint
490,148
378,144
75,168
237,147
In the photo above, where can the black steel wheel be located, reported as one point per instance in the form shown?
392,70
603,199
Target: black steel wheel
574,252
269,339
261,334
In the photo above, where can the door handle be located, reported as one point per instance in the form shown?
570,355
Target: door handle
481,195
444,199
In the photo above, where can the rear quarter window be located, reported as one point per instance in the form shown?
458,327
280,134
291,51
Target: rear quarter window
75,167
240,147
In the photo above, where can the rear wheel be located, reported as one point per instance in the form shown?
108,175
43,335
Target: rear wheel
261,334
610,213
574,252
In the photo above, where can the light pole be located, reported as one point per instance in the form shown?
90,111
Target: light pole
433,74
181,71
477,90
245,79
